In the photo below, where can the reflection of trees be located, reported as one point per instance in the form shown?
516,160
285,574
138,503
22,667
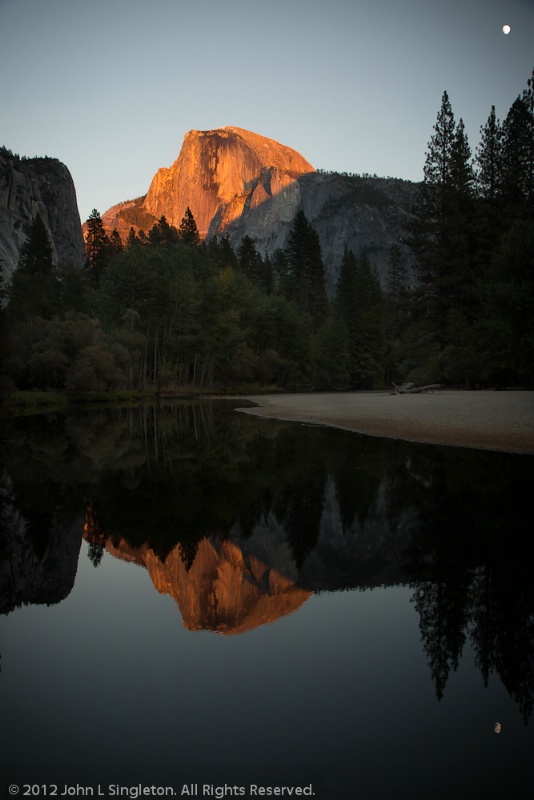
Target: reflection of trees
496,610
468,571
188,551
442,622
95,536
444,520
501,627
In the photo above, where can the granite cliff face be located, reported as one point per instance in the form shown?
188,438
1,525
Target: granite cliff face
219,173
240,184
37,186
347,211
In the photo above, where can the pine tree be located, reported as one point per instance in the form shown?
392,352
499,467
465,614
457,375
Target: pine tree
281,278
161,234
250,261
34,290
438,164
332,361
188,231
132,238
306,268
528,99
397,294
489,164
442,233
359,305
489,159
36,253
98,248
461,241
116,242
267,275
518,157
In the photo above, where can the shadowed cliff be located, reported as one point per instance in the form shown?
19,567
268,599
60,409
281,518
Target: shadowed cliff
38,186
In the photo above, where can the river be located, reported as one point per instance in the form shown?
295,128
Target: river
200,603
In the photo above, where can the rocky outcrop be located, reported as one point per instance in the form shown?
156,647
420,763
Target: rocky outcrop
219,173
347,211
37,186
242,184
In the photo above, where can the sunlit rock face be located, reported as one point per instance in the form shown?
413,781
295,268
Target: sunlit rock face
37,186
239,183
230,587
219,173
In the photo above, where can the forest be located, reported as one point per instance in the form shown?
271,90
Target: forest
163,311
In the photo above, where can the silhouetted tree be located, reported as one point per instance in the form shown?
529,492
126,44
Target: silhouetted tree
34,290
306,268
250,261
489,159
161,234
442,237
188,231
116,242
98,247
359,304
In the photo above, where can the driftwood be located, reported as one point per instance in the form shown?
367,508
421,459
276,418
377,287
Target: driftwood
411,388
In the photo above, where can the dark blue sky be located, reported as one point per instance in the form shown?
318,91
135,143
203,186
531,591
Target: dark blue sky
110,87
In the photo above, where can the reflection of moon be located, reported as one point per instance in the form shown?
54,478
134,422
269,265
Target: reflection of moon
506,29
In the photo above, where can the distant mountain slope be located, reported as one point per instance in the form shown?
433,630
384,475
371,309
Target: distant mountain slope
37,186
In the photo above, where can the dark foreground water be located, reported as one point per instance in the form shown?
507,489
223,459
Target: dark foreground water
202,604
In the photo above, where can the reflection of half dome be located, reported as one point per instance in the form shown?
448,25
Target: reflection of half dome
225,589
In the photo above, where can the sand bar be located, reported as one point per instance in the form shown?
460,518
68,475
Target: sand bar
488,420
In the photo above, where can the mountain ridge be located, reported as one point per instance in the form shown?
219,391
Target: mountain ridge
239,183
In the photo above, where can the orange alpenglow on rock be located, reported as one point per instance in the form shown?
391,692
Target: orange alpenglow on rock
217,174
222,591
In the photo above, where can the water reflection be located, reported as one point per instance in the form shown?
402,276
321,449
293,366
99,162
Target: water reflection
241,520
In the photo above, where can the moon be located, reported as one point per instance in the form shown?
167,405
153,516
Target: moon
506,29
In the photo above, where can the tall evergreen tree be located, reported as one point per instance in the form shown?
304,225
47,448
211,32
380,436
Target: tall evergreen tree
281,278
442,234
36,253
490,217
397,293
225,253
250,261
98,248
489,159
34,290
306,268
188,231
162,234
518,157
116,242
359,305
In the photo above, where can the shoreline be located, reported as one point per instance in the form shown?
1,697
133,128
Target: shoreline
483,420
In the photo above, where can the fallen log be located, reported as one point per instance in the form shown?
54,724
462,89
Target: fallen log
411,388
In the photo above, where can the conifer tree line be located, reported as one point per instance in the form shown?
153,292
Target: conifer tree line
164,310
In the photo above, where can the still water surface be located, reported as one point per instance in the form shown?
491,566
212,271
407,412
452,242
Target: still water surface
194,596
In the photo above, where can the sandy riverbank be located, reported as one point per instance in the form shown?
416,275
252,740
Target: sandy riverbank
484,419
